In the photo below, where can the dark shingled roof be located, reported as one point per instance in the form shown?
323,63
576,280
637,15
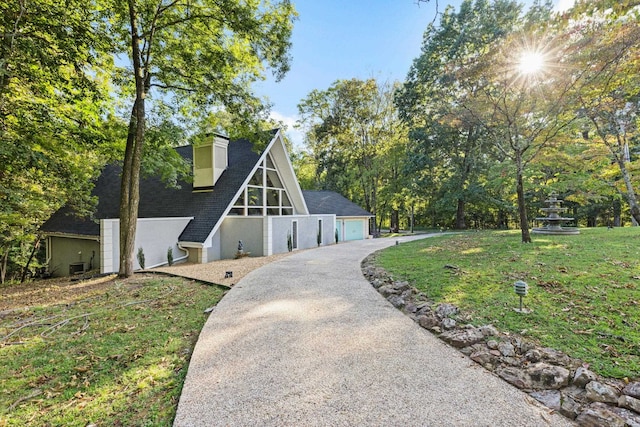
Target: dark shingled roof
330,202
158,201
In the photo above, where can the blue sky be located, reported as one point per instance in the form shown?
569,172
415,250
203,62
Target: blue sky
344,39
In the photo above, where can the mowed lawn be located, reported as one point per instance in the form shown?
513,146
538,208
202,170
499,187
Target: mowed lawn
109,353
584,290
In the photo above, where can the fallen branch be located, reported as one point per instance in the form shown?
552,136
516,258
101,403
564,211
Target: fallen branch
60,324
33,394
26,325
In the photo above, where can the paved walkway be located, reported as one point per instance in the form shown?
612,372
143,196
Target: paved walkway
307,341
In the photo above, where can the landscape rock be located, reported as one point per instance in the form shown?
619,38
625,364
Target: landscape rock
448,323
583,376
489,331
428,321
410,308
632,389
401,286
388,290
482,357
598,392
462,338
492,344
629,403
507,349
556,400
446,310
533,355
546,376
555,357
631,418
599,415
516,377
396,300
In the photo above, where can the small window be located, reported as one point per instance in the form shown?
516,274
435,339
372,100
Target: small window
287,211
273,180
285,199
294,234
273,197
255,211
256,179
273,211
236,211
254,196
270,164
240,200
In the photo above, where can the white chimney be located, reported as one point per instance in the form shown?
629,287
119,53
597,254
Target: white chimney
209,161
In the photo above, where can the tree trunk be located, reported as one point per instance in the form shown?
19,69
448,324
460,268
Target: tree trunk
3,265
522,208
25,270
617,213
460,221
631,195
130,185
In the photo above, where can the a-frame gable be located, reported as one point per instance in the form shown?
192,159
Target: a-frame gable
283,165
276,149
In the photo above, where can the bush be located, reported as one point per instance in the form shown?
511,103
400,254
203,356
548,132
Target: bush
170,256
141,257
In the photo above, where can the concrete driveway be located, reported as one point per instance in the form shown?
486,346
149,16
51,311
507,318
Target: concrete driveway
307,341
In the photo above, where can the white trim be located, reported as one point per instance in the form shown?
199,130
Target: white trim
73,236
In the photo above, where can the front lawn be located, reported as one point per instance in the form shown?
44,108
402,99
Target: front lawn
584,290
109,354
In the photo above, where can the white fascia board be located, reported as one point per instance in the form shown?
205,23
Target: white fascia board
196,245
73,236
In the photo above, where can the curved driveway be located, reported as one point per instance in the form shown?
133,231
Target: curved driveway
307,341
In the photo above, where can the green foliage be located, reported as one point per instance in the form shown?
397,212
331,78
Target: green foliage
120,359
53,94
584,290
356,142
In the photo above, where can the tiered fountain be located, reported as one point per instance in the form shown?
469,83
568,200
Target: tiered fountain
553,221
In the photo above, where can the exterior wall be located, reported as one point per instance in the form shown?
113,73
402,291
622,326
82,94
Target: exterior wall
154,235
247,229
67,250
307,231
213,251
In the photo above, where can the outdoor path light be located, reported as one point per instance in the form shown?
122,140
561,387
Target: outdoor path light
522,289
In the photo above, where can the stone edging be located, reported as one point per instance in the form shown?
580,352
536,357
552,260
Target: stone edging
563,384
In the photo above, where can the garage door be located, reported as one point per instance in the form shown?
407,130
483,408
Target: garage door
353,230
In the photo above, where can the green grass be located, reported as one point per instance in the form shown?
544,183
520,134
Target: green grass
116,356
584,290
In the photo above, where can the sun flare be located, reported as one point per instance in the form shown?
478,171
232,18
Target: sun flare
531,62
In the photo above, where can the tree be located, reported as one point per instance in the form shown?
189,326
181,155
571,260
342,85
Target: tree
194,54
607,46
442,129
524,96
53,59
354,133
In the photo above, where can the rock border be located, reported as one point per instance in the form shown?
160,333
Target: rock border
563,384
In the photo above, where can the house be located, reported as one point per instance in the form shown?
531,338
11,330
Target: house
237,194
352,222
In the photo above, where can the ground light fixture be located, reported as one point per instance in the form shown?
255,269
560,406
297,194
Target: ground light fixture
521,289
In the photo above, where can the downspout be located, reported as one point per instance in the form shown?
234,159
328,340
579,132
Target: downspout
182,248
